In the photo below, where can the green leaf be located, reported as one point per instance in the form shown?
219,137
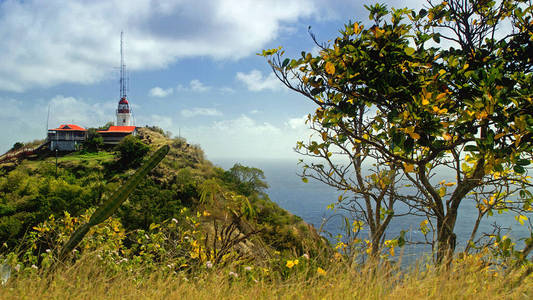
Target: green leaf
471,148
285,62
523,162
304,179
409,51
519,169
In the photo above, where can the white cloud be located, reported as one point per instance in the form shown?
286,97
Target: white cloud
160,93
197,86
53,42
246,138
194,86
297,123
200,111
255,81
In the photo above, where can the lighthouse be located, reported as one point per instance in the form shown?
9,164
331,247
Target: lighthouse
123,110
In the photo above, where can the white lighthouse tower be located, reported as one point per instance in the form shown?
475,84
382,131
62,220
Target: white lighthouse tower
123,110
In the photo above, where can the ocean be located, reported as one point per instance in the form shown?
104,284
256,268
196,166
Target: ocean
310,200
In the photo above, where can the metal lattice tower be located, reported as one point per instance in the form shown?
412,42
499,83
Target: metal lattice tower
123,88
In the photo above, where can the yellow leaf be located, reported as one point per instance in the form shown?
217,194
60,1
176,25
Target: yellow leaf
442,191
499,135
521,219
408,167
379,32
442,72
425,101
324,135
447,136
319,270
441,95
466,66
450,184
330,68
414,135
356,28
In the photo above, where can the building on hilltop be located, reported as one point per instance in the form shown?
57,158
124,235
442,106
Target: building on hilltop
114,134
66,137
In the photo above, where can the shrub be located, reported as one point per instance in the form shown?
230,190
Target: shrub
131,152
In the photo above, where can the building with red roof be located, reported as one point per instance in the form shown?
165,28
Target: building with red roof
66,137
114,134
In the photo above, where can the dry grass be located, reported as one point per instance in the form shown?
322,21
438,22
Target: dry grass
87,281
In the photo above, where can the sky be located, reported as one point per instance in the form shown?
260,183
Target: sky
192,67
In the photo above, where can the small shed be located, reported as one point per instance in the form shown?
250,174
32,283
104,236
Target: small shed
66,137
114,134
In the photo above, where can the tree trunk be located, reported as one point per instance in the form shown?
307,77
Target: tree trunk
446,238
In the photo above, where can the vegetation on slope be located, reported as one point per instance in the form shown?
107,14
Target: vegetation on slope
185,197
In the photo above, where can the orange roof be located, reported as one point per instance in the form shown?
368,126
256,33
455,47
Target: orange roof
119,129
71,127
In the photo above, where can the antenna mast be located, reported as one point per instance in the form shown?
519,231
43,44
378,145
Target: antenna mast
122,68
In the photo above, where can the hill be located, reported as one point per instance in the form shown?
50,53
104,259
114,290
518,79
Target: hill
225,208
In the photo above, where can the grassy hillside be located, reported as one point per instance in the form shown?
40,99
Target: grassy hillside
184,186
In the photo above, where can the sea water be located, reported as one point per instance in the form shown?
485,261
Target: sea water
310,200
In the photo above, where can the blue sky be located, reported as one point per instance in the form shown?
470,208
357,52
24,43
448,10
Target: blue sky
192,65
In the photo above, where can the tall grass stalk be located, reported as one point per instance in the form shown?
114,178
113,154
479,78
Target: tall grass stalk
87,280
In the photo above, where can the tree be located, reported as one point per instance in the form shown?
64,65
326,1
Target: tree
368,184
131,152
94,141
106,126
247,180
17,146
467,109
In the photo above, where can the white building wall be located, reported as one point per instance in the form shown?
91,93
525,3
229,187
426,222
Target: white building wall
123,119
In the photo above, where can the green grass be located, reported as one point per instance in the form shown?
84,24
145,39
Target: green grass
100,156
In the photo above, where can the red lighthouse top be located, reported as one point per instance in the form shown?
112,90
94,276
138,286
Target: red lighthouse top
123,106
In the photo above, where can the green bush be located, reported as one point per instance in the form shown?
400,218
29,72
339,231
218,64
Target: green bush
94,141
131,152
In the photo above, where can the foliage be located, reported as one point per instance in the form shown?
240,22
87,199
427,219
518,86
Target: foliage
94,141
246,180
106,126
160,130
113,203
17,146
131,152
166,202
469,278
467,109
